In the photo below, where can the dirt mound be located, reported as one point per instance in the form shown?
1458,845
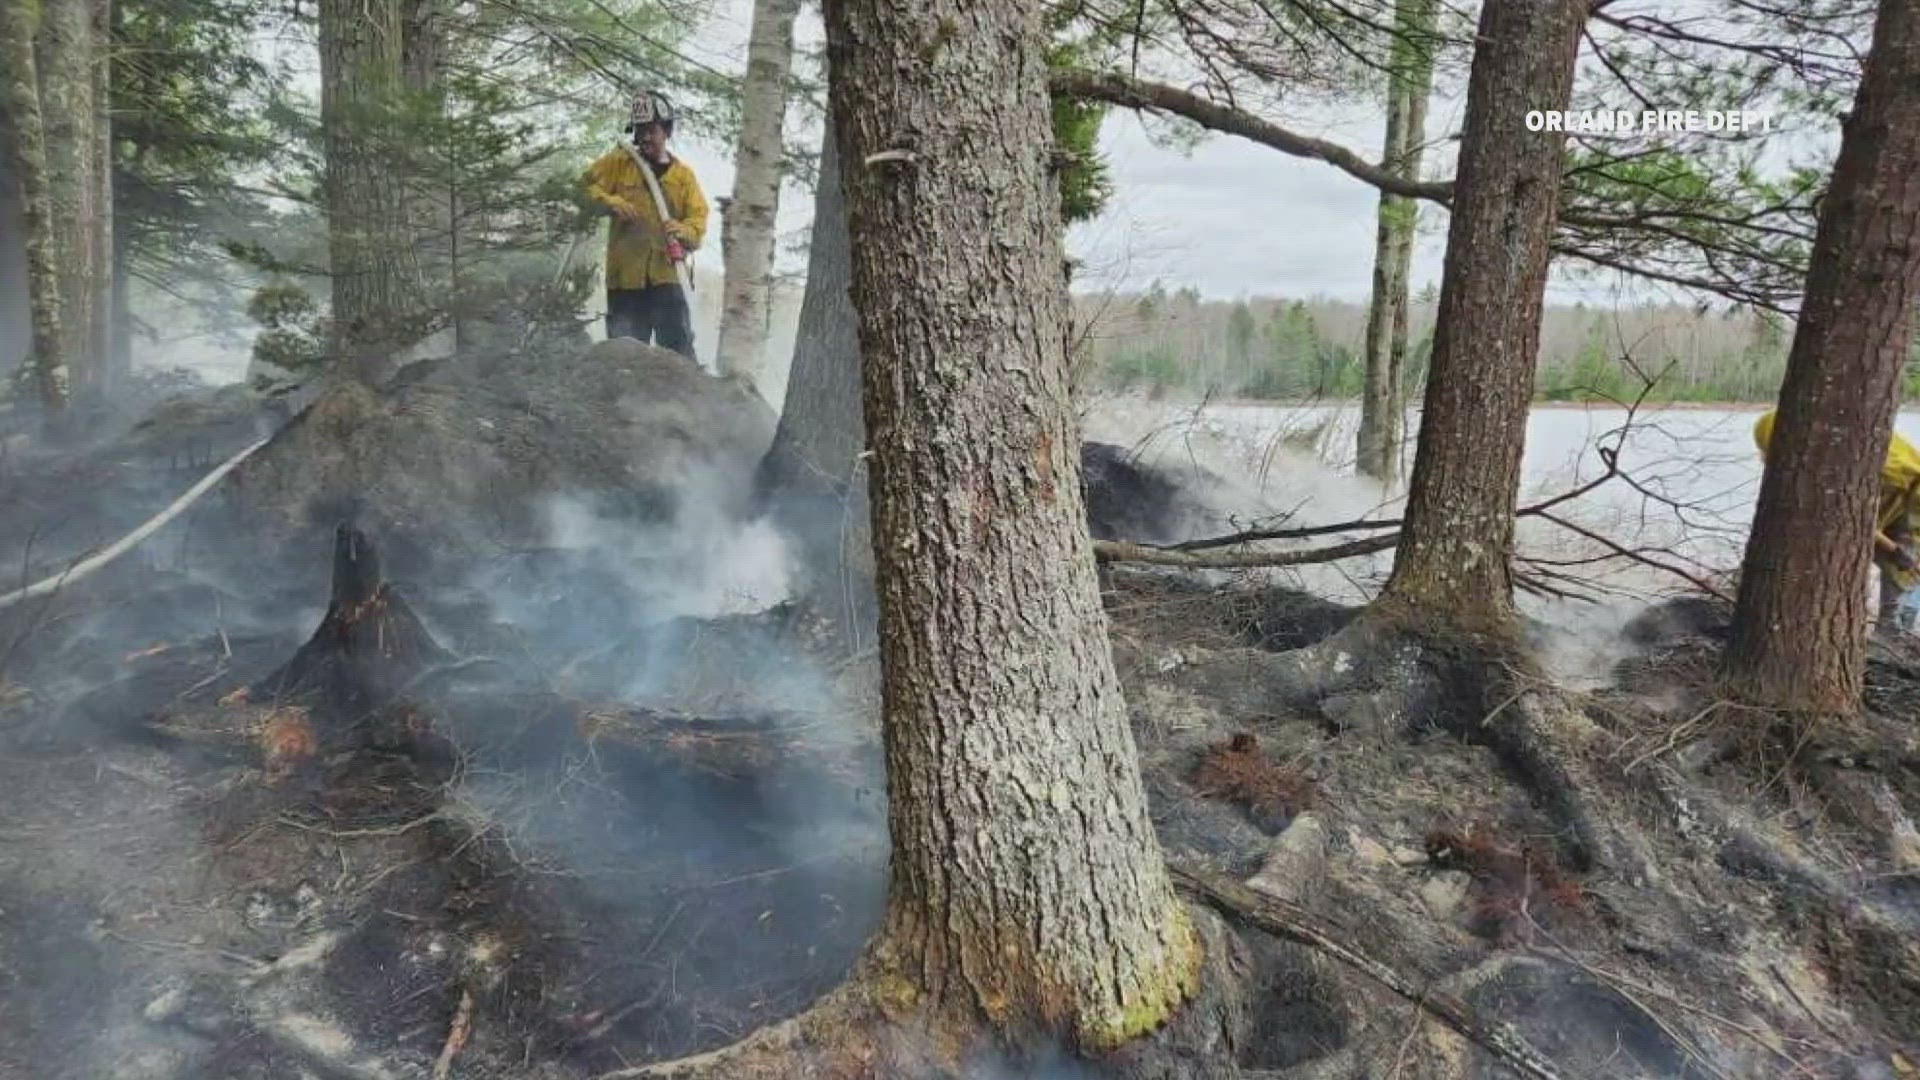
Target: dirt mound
465,456
1672,621
1265,616
1130,500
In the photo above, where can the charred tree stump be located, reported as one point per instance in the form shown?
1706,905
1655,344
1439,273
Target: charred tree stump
368,649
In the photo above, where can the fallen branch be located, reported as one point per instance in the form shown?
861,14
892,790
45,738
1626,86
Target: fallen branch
128,542
1290,921
1609,456
1539,578
1121,551
1631,989
1628,553
780,1038
1298,532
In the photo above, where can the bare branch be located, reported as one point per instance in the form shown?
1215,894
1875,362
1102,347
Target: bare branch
1627,553
1129,92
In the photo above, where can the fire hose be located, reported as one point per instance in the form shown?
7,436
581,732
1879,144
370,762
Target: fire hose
128,542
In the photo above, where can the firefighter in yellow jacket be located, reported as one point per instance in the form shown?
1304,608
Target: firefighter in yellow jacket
1896,521
644,297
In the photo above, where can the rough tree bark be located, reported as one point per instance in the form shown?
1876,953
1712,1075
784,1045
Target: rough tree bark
429,182
119,296
1800,630
19,30
105,331
821,431
1027,884
421,43
16,324
811,479
68,51
1453,568
748,249
1383,406
375,277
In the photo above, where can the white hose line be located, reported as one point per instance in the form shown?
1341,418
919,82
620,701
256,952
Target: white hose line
128,542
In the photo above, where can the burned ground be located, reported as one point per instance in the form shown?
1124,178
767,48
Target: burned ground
609,881
1128,499
626,826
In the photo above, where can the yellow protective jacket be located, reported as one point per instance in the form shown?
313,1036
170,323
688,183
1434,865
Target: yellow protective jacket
1900,476
637,254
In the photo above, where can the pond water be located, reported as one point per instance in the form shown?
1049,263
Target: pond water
1685,496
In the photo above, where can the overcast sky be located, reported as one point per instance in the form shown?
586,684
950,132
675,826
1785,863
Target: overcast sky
1233,218
1230,218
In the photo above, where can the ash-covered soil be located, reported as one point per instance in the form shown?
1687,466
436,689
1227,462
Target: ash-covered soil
621,812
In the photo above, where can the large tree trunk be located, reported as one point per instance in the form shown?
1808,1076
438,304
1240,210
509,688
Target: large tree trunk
119,299
1799,638
19,31
821,432
105,331
422,44
1027,885
429,178
16,323
68,115
376,280
748,249
1383,406
811,479
1453,567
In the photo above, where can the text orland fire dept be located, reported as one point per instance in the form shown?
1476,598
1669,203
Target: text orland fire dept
1650,121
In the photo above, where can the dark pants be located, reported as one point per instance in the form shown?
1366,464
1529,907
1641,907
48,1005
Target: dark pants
657,313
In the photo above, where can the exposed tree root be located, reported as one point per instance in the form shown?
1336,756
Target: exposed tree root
1483,693
1543,741
873,1026
861,1029
1276,916
1889,934
846,1033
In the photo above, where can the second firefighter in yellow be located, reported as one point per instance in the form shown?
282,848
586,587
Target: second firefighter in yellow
1896,537
644,298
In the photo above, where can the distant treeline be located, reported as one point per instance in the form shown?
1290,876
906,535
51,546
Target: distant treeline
1160,341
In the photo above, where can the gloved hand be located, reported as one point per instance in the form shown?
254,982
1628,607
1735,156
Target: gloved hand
679,231
627,212
1903,560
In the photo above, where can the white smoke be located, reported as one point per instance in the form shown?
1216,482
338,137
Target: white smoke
1694,475
701,564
